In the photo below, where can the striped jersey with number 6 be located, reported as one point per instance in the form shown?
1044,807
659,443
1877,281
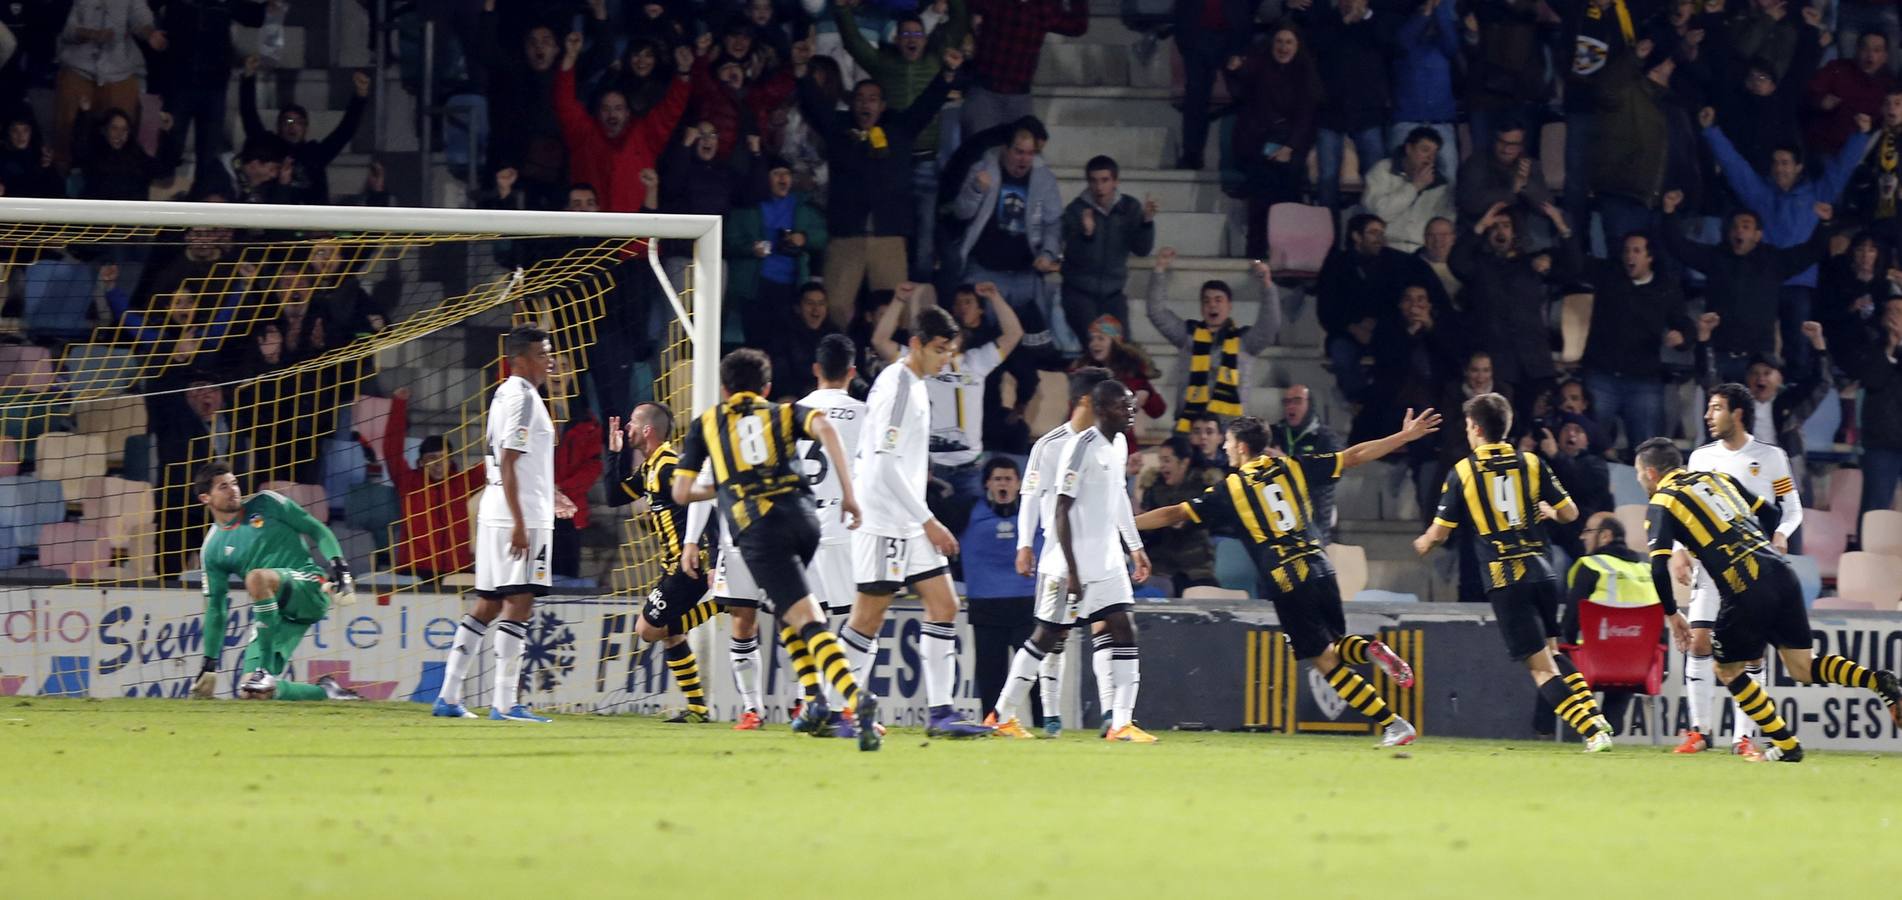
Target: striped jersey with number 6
846,415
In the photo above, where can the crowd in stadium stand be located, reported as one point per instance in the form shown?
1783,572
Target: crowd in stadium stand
1725,188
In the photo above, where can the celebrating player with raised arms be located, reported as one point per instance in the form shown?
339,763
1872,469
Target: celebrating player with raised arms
261,539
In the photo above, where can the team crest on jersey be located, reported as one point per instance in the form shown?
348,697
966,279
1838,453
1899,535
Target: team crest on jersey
891,437
1756,468
1069,483
257,521
521,436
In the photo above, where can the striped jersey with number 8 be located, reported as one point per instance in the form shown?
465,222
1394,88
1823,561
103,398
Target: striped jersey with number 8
752,445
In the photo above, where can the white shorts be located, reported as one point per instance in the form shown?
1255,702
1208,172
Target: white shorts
1704,600
733,581
882,565
499,574
830,577
1055,606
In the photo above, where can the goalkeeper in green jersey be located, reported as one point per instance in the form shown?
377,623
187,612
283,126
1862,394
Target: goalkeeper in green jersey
262,539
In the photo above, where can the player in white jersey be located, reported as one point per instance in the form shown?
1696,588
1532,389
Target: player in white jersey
1045,644
514,530
956,389
1089,494
900,543
1764,469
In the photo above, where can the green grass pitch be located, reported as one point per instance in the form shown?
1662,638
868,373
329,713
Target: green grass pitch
268,800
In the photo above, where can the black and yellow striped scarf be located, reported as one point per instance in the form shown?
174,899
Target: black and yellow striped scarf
1886,159
1223,396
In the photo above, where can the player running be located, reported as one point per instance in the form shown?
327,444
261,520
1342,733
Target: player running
1270,499
262,541
749,443
1724,525
677,603
1763,470
1503,495
1040,657
515,528
902,544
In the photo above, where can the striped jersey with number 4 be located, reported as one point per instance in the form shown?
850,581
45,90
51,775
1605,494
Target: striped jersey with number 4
1271,501
1497,491
823,474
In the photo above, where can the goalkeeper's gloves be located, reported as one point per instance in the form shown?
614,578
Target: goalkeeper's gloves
343,587
206,684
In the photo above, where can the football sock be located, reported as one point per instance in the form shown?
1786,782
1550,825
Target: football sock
744,654
1833,669
1353,649
1576,710
833,700
686,669
1700,691
1360,695
1100,667
831,661
1050,678
1025,665
802,665
1745,728
1574,679
860,651
510,639
468,642
938,644
296,691
1757,705
1126,678
702,611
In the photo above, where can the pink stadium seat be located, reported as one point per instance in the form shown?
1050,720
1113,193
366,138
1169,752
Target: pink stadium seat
26,368
370,419
1845,497
309,496
1823,539
1841,603
1870,577
9,456
1882,532
76,548
1299,237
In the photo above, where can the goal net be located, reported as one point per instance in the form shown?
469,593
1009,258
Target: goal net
343,358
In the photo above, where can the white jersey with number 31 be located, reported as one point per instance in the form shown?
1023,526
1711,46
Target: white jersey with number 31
822,473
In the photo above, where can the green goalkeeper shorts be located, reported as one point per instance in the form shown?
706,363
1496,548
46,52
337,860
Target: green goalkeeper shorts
300,596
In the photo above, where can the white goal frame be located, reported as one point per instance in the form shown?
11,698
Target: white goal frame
703,327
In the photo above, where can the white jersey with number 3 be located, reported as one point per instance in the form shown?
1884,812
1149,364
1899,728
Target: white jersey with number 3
824,474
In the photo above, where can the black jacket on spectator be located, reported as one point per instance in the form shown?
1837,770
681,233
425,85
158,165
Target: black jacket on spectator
1353,286
1507,70
123,174
1629,321
1838,289
527,137
1505,304
1743,289
878,201
1410,368
794,349
311,179
1352,59
199,55
20,170
1881,377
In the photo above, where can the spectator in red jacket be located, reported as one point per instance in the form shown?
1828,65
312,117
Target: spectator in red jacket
1848,88
730,91
610,150
577,467
435,496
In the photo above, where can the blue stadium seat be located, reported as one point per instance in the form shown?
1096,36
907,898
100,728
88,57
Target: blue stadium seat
1624,485
58,294
1234,569
26,504
95,369
1810,576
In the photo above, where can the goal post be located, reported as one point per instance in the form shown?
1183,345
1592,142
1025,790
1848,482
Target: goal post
117,317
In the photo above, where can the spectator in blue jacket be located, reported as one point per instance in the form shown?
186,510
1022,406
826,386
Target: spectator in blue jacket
1786,202
1001,601
1427,44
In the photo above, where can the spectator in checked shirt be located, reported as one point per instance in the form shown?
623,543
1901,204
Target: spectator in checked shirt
1009,43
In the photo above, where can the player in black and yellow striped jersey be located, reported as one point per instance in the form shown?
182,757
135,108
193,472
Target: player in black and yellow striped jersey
750,444
1270,500
641,463
1505,496
1726,527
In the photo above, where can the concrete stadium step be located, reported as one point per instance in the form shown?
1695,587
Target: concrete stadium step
1079,62
1176,191
1104,105
1132,146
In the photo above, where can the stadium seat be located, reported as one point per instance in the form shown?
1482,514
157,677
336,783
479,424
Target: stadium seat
1299,238
1882,532
1631,515
1809,575
70,459
75,548
373,506
93,370
1872,577
1819,430
1845,497
1628,656
1350,567
344,467
1050,405
58,296
1842,603
26,505
1234,569
1624,485
9,456
117,418
370,419
1824,540
1210,592
309,496
1372,595
1575,324
359,548
24,367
